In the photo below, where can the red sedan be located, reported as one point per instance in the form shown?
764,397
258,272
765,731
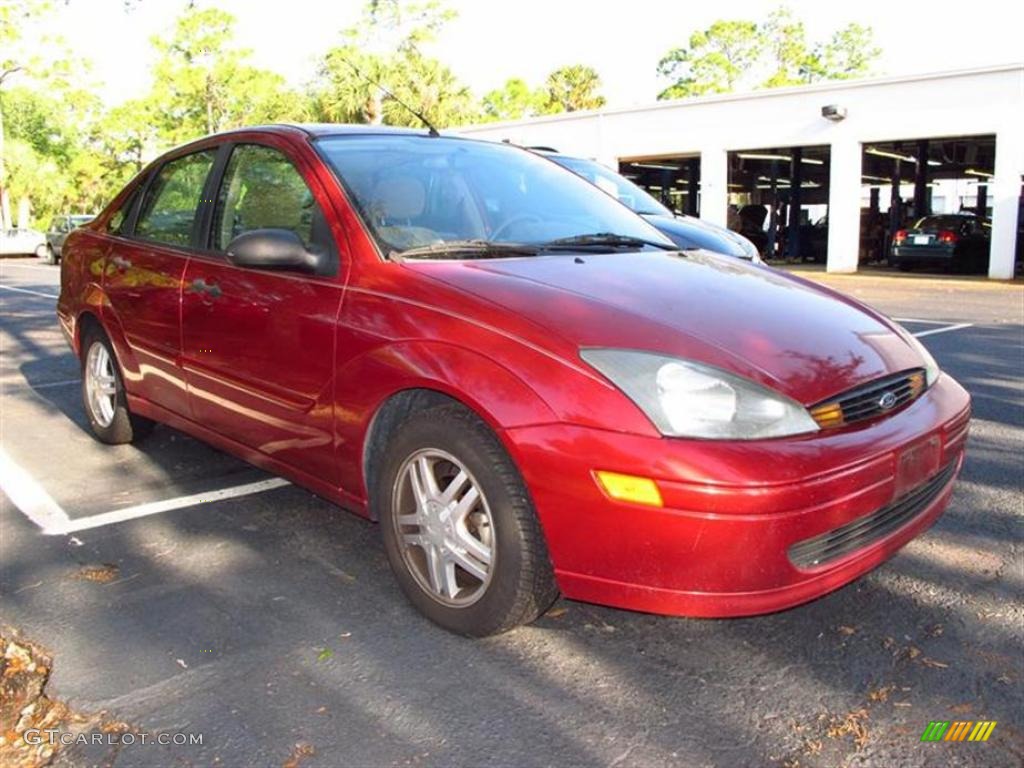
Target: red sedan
527,386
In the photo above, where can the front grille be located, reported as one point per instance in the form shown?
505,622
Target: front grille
876,398
870,528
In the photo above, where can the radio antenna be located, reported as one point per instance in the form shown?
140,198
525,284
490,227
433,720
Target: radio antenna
431,130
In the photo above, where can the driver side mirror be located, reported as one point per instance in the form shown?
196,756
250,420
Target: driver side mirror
273,249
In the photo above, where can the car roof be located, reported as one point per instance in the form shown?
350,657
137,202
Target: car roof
332,129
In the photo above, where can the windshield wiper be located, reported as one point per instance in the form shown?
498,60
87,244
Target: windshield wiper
466,248
606,240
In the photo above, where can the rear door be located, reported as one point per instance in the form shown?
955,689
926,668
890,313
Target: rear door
142,280
258,345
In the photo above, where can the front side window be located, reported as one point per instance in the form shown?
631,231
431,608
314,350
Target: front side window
173,199
416,191
262,190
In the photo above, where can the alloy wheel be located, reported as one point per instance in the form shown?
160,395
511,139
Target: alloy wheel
444,527
100,384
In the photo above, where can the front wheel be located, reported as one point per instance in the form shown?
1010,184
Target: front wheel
48,254
459,529
103,393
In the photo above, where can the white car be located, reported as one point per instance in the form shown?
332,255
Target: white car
15,242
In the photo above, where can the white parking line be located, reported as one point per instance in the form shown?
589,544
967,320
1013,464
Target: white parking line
918,320
33,293
29,496
156,507
38,267
38,506
933,331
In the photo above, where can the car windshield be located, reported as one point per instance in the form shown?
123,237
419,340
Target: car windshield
616,185
419,192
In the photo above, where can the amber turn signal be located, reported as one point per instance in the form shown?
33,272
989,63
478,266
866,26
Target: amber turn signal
638,490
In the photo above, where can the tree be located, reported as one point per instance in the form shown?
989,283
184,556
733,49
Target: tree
573,88
380,66
743,54
203,83
513,101
714,61
847,55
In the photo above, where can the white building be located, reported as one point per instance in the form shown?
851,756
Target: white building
950,124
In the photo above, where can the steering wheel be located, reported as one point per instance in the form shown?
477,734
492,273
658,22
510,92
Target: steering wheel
519,218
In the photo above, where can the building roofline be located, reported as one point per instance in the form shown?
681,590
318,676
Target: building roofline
768,93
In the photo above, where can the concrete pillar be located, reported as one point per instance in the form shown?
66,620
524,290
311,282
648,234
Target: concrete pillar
693,186
714,179
844,205
922,201
1005,193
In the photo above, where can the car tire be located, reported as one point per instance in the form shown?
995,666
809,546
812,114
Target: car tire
103,394
50,257
457,586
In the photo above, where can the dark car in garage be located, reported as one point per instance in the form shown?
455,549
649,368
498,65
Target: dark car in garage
954,242
684,231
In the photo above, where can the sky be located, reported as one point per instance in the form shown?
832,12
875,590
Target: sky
490,41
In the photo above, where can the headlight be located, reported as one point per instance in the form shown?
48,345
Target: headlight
931,368
687,399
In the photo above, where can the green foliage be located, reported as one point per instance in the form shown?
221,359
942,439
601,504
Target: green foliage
573,88
380,66
735,54
714,61
204,84
513,101
567,89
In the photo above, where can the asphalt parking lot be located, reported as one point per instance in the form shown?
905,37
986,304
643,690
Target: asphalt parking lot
268,621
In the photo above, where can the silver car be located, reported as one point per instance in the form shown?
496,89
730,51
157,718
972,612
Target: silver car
17,242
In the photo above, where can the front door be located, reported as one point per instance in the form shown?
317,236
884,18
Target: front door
258,345
142,281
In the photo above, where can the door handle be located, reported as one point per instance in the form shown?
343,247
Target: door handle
199,285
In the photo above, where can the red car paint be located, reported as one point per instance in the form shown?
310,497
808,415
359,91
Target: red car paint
288,370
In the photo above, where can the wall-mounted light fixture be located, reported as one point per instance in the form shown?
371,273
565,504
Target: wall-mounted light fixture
833,112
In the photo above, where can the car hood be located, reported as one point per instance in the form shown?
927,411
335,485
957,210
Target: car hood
799,338
687,231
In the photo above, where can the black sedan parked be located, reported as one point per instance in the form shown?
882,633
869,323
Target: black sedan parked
954,242
684,231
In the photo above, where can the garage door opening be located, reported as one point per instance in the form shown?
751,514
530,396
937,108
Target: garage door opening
674,180
925,203
778,199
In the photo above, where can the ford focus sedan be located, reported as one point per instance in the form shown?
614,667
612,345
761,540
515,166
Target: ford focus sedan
528,387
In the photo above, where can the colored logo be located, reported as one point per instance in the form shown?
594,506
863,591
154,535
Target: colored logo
887,401
958,730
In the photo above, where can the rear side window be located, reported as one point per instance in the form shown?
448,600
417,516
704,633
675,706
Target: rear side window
173,199
263,190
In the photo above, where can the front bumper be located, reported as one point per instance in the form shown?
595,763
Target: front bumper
721,544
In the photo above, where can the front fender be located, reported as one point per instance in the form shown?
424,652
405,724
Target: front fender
365,383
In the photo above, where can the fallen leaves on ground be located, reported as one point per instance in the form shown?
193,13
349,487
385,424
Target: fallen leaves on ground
101,574
24,672
299,753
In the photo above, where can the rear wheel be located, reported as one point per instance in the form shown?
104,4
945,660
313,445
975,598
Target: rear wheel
106,404
49,256
458,525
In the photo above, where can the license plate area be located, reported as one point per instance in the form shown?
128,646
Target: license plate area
922,239
916,464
